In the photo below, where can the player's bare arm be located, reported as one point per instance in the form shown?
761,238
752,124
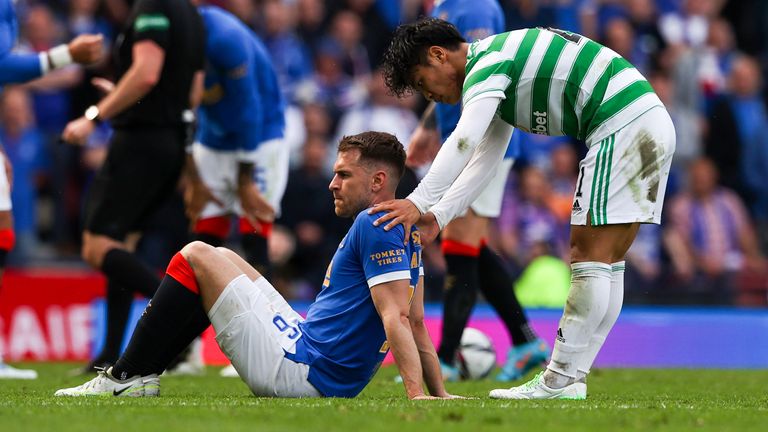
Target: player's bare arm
425,141
196,193
140,79
391,301
255,206
430,364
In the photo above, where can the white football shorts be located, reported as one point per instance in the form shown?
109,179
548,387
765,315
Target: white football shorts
488,204
218,170
624,176
255,327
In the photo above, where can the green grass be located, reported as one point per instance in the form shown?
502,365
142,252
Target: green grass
648,400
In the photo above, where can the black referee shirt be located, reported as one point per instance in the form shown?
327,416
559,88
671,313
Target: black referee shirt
177,28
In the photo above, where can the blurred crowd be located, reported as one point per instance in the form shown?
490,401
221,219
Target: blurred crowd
705,58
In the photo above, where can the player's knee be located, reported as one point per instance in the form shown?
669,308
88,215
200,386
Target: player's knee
92,253
197,250
226,251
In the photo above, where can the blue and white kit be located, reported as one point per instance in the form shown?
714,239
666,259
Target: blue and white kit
340,345
242,116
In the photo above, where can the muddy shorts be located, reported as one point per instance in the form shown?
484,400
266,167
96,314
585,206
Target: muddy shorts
624,175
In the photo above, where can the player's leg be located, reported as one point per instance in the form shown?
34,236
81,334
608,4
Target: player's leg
173,317
254,326
141,169
7,240
272,177
623,180
461,249
527,350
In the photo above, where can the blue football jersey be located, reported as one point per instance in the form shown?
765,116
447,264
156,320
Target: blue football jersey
14,68
475,19
343,338
242,104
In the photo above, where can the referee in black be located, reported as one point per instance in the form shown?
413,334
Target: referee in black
159,61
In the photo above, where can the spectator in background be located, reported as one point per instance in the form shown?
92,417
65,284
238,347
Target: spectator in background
376,32
643,17
562,176
23,146
710,238
330,86
738,137
83,18
308,214
688,124
690,26
52,103
643,269
520,14
311,21
620,37
290,55
380,112
527,226
346,34
244,9
717,60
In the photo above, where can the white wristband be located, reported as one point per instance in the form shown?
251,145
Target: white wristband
60,56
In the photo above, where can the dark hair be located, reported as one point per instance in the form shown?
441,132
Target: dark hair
377,147
409,49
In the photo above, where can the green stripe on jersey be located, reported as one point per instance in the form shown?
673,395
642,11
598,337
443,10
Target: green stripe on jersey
496,45
617,65
579,70
618,102
151,22
507,110
542,82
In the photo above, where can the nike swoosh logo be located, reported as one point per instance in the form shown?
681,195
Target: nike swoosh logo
119,392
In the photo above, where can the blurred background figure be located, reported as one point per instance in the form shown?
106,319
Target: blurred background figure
710,239
23,146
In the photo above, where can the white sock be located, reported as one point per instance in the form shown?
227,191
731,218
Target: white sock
586,306
614,308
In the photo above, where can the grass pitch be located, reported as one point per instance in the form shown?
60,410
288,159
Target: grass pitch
648,400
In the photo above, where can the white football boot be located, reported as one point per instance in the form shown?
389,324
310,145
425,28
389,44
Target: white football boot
106,385
10,372
536,389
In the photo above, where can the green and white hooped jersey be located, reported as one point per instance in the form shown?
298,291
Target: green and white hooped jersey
554,82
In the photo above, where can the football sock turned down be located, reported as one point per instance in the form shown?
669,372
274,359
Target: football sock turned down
601,333
459,295
496,284
128,271
172,319
585,309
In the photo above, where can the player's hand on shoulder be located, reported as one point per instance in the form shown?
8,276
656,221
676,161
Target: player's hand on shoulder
87,48
399,211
